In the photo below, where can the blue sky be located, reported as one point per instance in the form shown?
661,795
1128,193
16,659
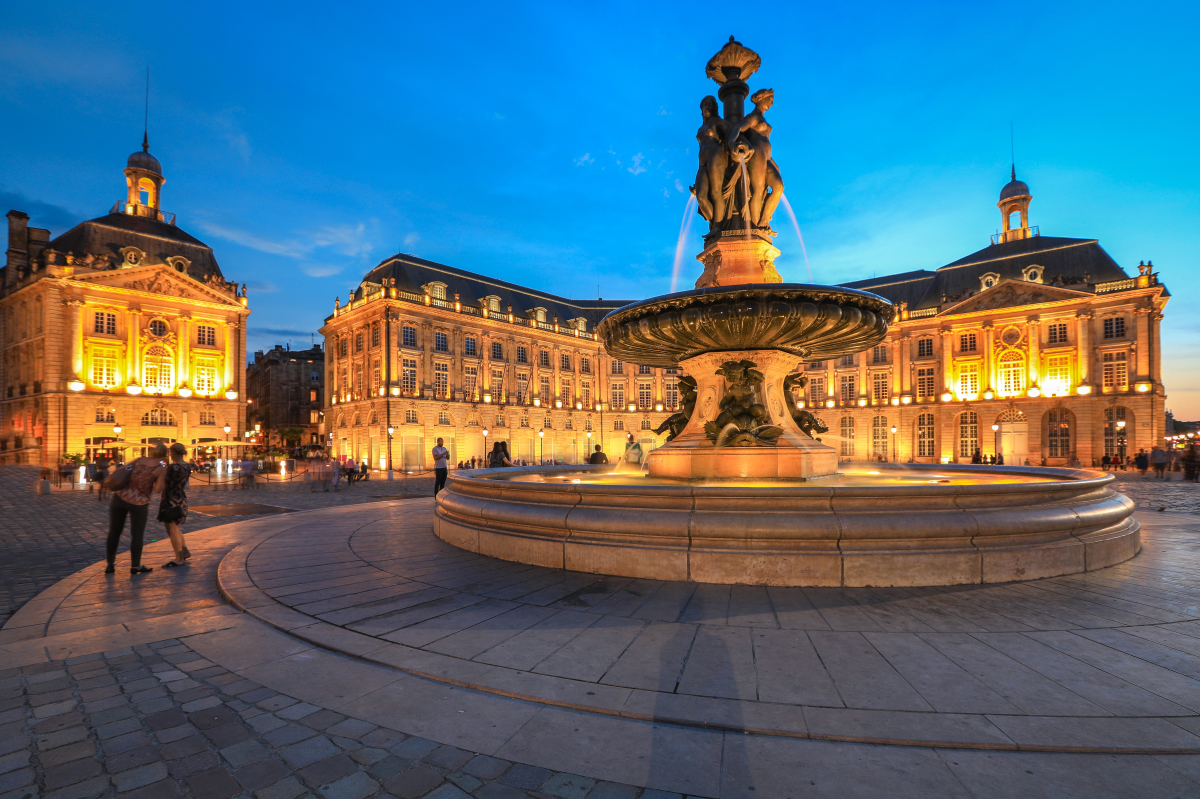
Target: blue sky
552,145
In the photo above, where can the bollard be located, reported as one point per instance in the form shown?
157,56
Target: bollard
44,487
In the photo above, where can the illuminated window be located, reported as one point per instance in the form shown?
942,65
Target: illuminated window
587,424
1012,373
408,336
358,379
522,388
522,354
469,346
1058,433
879,437
880,386
376,376
470,380
569,425
879,354
1056,333
497,351
848,388
1114,434
441,380
358,342
645,395
671,392
314,417
926,382
408,374
925,435
437,291
846,431
208,418
206,376
968,434
312,395
967,342
585,393
816,391
106,415
564,392
1114,327
493,304
646,425
206,336
924,347
410,416
374,335
158,327
158,417
618,367
158,369
618,395
497,384
645,370
564,362
540,313
847,360
585,365
524,420
440,342
443,417
344,346
544,389
546,423
968,380
1115,371
1058,374
104,368
619,424
500,420
105,323
544,359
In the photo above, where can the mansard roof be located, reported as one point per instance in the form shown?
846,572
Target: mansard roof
108,234
1071,263
412,274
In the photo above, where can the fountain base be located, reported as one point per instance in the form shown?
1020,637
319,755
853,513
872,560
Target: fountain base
737,258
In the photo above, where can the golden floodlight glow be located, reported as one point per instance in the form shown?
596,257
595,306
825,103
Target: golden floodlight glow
989,394
184,392
75,385
895,400
1083,390
862,403
1143,387
829,404
231,394
487,398
1035,392
134,389
905,400
395,391
947,397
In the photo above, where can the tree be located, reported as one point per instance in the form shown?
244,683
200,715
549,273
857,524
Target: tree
290,435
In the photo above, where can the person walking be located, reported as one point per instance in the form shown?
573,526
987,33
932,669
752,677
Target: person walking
131,499
102,464
172,509
1158,461
598,457
1142,461
441,465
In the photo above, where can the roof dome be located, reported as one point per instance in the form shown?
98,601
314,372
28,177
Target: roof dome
1015,188
144,160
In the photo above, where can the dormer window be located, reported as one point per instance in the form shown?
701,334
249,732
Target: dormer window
540,314
989,280
492,303
436,290
1033,274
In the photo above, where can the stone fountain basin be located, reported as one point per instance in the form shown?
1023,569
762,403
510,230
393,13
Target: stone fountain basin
796,534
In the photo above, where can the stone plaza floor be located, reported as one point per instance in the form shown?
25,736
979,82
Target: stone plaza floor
342,651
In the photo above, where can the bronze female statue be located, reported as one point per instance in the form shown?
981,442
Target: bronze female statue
763,172
710,178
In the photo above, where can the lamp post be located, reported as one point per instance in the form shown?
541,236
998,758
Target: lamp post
996,437
895,446
1121,438
226,453
600,409
390,431
485,449
589,447
541,447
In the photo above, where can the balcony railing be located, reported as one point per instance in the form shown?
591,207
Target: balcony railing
1116,285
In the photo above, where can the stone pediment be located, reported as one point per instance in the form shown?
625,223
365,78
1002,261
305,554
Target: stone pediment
1013,294
161,280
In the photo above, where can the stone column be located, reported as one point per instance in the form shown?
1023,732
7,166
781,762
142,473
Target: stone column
1156,348
230,354
947,359
864,389
426,343
989,365
1083,346
894,366
75,311
904,363
133,366
1033,330
1142,326
183,366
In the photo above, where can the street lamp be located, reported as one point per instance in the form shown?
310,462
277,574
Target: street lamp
895,446
390,431
1121,437
485,449
542,446
600,409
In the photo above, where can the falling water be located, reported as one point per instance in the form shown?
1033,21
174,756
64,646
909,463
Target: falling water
685,229
791,214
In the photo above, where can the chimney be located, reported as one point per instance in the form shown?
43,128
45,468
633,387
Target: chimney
17,256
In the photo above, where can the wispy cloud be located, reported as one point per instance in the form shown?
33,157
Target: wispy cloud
663,112
411,239
44,215
584,160
321,270
637,167
679,187
265,286
291,249
350,240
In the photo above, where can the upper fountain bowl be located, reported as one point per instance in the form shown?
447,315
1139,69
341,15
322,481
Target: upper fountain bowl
811,322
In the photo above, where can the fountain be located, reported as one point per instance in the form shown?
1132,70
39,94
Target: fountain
744,491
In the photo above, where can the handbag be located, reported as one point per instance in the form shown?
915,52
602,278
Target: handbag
118,479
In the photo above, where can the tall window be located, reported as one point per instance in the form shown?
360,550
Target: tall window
375,335
106,415
440,342
618,396
1115,371
105,323
206,376
846,431
1058,433
104,368
358,342
437,291
1012,373
967,342
816,391
671,392
1115,431
1056,333
157,417
924,347
469,346
158,369
564,392
497,387
544,359
618,367
1114,327
1058,374
880,386
564,362
645,370
408,336
522,388
358,379
376,376
441,380
544,389
497,351
522,354
925,436
443,417
585,365
645,395
847,360
408,374
206,336
848,388
410,416
879,354
314,377
344,346
493,304
968,380
968,434
926,382
210,418
879,437
585,393
470,380
500,420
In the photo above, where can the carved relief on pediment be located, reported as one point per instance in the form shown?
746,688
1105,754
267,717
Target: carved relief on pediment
1009,295
158,284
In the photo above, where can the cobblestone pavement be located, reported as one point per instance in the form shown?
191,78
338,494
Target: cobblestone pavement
46,538
1171,493
160,721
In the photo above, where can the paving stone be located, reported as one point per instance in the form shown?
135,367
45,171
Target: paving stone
73,772
350,728
486,768
329,770
448,791
244,753
413,783
614,790
464,781
297,711
57,723
292,733
80,790
277,702
322,719
651,793
308,752
17,780
113,714
193,764
171,675
213,784
184,747
265,723
568,786
354,786
154,706
257,695
288,788
14,760
448,757
166,718
414,748
140,777
212,717
132,759
61,738
163,789
157,692
65,754
227,734
498,790
123,727
172,734
527,777
261,774
369,755
346,744
186,698
389,767
54,709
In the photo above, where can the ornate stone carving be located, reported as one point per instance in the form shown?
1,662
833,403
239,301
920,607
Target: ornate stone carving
807,422
743,420
157,284
677,421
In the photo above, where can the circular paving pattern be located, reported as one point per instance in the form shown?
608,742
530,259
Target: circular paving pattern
1103,661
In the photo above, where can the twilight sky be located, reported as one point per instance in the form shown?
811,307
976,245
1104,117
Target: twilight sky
552,145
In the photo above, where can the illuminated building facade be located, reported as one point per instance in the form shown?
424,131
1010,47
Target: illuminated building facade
435,351
285,389
1042,349
119,333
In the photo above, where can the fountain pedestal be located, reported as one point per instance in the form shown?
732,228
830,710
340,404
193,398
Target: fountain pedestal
738,260
692,455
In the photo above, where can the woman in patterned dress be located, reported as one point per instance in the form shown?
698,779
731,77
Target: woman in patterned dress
172,511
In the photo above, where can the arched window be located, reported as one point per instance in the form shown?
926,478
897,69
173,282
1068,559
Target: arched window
374,419
1012,373
587,424
410,416
444,417
968,434
846,431
1116,430
879,437
925,436
158,369
357,420
1014,220
1058,433
341,421
158,417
